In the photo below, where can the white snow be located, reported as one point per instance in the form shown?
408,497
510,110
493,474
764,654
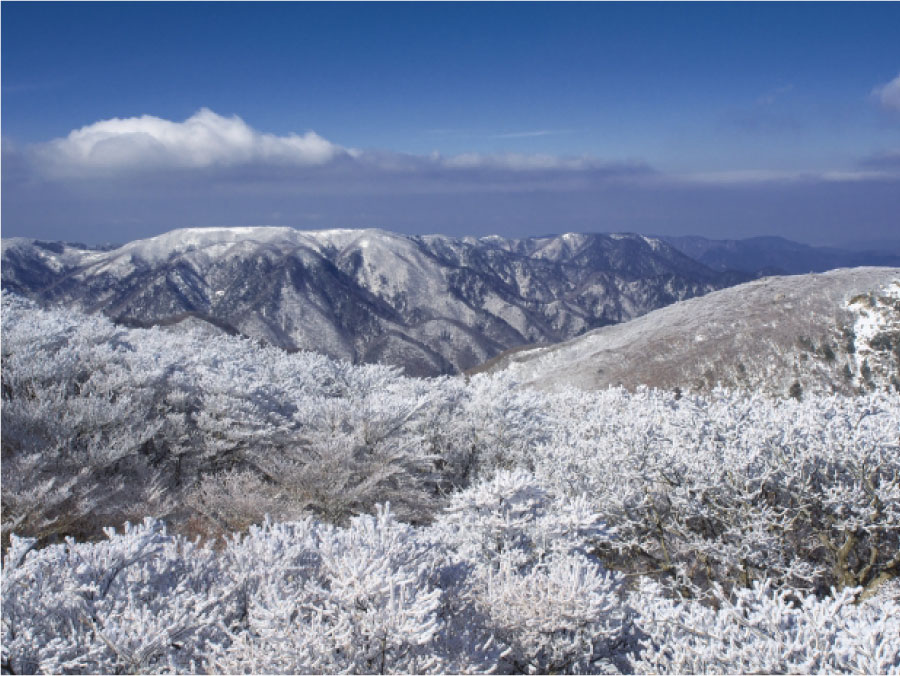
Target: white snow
739,333
876,314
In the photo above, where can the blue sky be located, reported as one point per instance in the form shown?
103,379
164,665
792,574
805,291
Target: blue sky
726,120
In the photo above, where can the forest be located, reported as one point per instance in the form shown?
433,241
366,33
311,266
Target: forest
187,503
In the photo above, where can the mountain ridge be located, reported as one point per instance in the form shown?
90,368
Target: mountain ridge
772,255
431,304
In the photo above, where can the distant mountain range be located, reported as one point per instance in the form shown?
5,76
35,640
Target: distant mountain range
429,304
778,256
833,332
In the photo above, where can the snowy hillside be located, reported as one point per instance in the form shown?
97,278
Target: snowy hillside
429,304
322,517
837,331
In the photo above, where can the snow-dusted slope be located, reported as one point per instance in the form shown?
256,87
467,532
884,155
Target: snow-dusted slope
430,304
776,255
837,331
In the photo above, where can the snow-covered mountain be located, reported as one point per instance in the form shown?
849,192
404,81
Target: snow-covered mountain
430,304
837,331
778,256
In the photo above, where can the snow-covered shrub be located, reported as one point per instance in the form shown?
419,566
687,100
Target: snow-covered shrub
502,424
320,599
763,630
735,488
382,596
103,423
79,417
233,500
541,602
513,515
559,616
141,600
379,584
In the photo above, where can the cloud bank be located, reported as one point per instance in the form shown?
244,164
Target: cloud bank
207,140
120,179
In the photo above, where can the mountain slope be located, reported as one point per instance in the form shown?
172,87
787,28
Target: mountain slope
837,331
776,255
430,304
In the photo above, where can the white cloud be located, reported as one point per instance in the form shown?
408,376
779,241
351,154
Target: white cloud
889,94
205,139
749,177
518,162
209,140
